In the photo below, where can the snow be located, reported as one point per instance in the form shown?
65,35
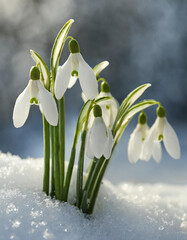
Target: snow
123,211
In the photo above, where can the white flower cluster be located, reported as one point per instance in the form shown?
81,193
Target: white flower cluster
145,143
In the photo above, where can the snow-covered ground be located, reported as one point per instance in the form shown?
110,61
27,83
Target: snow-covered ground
123,211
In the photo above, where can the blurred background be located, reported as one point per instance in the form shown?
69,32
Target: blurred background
144,41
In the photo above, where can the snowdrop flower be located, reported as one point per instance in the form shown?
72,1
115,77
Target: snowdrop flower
109,107
137,140
162,131
75,67
35,93
99,140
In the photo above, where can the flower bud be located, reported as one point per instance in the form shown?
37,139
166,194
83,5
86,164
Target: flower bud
34,73
74,46
142,118
161,112
105,87
97,111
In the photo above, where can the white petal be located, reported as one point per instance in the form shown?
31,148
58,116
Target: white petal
21,108
87,79
98,137
135,145
62,78
157,151
72,81
171,141
106,114
109,144
48,105
89,152
152,136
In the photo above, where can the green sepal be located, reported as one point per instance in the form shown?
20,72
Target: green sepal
74,46
34,73
142,119
43,68
161,112
97,111
105,87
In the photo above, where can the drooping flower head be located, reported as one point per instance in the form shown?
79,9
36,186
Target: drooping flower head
137,140
162,131
109,107
35,93
75,67
99,138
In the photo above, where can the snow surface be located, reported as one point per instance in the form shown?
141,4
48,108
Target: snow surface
125,211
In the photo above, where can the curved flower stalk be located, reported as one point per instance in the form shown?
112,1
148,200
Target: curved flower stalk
137,140
75,67
35,93
162,131
99,140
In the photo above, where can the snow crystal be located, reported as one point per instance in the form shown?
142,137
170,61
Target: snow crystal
124,212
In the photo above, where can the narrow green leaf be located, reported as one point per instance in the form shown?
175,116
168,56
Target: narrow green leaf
129,100
43,67
128,115
82,117
59,44
100,67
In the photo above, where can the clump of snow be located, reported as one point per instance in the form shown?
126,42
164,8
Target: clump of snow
126,211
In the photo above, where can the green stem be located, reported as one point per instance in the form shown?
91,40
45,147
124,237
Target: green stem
97,185
56,165
69,170
91,181
46,142
62,144
80,170
52,194
91,168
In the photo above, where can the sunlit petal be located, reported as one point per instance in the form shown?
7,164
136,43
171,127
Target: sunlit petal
72,81
109,144
62,78
21,108
157,151
98,137
135,145
89,152
171,141
87,79
48,105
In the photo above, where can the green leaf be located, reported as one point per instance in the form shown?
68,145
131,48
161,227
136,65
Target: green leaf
58,45
43,67
82,117
100,67
98,100
128,115
129,100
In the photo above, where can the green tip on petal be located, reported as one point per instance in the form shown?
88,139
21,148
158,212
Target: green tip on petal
34,73
74,46
142,118
161,112
74,73
97,111
105,87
